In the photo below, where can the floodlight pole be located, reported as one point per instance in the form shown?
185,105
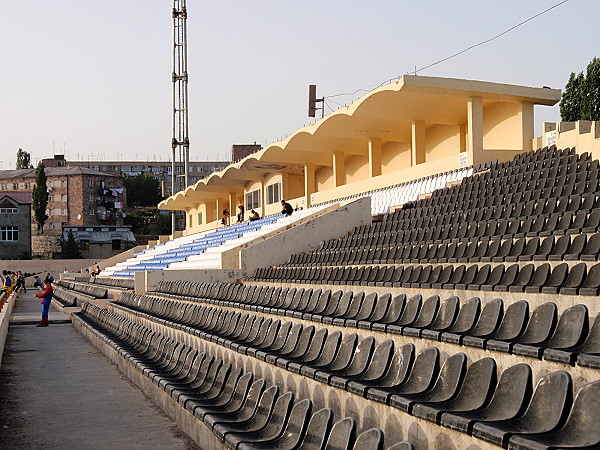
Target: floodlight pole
180,142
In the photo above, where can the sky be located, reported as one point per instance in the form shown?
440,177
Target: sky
92,79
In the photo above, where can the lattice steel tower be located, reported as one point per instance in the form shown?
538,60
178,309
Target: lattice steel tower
180,143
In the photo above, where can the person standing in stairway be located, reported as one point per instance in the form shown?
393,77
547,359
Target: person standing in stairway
46,297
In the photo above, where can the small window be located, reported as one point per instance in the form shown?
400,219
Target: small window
27,185
9,233
273,193
63,198
253,200
92,197
116,244
63,183
91,183
15,186
91,212
63,211
4,187
8,211
199,218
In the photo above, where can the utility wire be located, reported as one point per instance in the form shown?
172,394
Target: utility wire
455,54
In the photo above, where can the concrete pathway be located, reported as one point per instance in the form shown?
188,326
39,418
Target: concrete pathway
58,391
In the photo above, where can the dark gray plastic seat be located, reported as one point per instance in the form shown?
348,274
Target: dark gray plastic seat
465,320
591,284
348,364
591,251
336,359
538,279
508,278
445,317
544,413
446,386
579,431
425,318
569,332
341,435
577,274
512,325
409,315
539,327
557,278
245,409
393,373
474,392
509,398
369,440
404,445
266,424
421,376
487,322
393,313
317,430
523,278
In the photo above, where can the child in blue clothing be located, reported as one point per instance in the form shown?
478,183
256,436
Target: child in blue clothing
46,297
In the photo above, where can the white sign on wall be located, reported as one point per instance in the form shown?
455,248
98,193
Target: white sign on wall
551,138
462,158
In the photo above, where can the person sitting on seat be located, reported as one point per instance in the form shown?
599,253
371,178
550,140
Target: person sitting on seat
287,208
37,282
254,216
225,219
240,216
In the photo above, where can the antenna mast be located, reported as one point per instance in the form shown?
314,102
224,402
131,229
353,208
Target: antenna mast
180,143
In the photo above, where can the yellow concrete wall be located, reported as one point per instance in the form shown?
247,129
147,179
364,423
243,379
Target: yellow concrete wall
293,187
502,126
395,156
357,168
442,141
584,135
324,178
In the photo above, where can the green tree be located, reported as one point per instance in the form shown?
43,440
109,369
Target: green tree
23,160
570,104
39,197
161,224
70,249
591,103
581,97
142,190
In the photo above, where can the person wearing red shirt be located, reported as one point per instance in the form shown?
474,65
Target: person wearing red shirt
46,297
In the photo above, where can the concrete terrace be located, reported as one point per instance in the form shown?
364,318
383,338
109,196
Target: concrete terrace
58,391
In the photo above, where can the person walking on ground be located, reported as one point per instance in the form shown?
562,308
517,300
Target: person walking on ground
21,280
287,208
46,297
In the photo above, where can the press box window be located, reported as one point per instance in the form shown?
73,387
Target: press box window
273,193
9,233
253,200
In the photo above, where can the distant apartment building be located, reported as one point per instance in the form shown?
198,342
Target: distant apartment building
77,196
160,170
15,225
240,151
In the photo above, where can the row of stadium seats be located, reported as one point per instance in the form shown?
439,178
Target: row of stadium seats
562,279
380,372
568,339
242,411
568,248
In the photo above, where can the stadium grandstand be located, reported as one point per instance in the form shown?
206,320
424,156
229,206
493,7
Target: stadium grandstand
436,286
